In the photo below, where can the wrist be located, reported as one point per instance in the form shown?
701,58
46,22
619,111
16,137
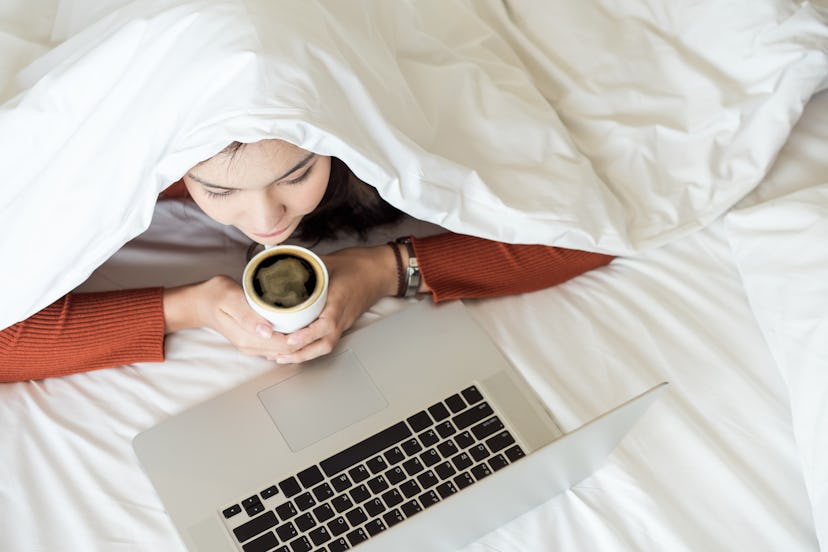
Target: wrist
180,308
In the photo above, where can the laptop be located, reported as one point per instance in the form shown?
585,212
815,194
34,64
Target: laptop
415,434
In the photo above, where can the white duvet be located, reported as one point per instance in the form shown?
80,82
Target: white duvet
598,125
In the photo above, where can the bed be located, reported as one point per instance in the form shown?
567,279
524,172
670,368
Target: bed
727,302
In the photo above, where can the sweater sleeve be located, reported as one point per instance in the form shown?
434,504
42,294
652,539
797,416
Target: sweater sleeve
85,331
456,266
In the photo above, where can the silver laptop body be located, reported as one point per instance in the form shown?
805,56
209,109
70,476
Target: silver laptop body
333,454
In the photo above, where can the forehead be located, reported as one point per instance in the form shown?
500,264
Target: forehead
250,166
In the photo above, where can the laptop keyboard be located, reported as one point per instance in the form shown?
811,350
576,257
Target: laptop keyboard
382,480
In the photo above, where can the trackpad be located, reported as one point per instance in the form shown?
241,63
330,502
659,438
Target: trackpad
323,398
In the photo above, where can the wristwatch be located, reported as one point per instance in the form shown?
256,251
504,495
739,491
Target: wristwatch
412,269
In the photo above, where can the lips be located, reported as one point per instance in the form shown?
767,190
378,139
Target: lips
270,235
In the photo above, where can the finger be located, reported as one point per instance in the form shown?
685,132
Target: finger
320,328
316,349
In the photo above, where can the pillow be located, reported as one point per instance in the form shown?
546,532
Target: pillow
780,248
598,140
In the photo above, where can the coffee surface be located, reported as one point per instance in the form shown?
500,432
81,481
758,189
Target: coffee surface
284,283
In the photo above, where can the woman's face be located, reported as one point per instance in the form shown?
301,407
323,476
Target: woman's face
263,189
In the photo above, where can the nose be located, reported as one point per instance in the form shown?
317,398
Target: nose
265,214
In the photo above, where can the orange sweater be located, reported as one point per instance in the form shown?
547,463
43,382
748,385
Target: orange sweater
86,331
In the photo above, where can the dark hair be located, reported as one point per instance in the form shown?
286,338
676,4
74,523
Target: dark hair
349,206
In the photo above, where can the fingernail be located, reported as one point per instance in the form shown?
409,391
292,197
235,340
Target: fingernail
293,341
264,330
282,360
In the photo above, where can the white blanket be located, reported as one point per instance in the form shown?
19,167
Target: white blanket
604,127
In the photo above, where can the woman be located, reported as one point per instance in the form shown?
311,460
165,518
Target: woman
272,190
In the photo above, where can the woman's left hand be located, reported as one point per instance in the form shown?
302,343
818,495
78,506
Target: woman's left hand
359,277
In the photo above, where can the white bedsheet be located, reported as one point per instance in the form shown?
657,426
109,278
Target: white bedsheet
729,459
713,466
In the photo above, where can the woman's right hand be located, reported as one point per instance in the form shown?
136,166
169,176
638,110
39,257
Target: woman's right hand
219,304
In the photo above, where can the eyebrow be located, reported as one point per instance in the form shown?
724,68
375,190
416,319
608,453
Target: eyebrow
303,162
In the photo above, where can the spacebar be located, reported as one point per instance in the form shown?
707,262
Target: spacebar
365,448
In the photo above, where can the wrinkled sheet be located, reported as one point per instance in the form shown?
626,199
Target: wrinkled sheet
776,235
606,126
712,466
716,464
729,459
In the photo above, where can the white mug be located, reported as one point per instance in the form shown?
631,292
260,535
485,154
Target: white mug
287,319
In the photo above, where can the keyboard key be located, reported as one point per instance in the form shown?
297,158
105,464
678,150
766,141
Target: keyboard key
360,494
413,466
286,511
323,512
471,394
302,544
356,516
500,441
376,464
377,484
498,462
480,471
339,545
271,491
419,421
359,473
341,482
447,449
445,429
428,438
304,501
438,412
430,457
410,488
252,505
412,446
411,507
514,453
356,536
338,526
464,440
231,511
487,427
305,522
374,507
393,517
290,487
374,527
266,542
319,536
394,456
395,475
455,403
446,489
341,503
392,497
250,529
463,480
429,498
444,470
477,413
365,449
286,531
479,452
310,477
427,479
462,461
322,492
